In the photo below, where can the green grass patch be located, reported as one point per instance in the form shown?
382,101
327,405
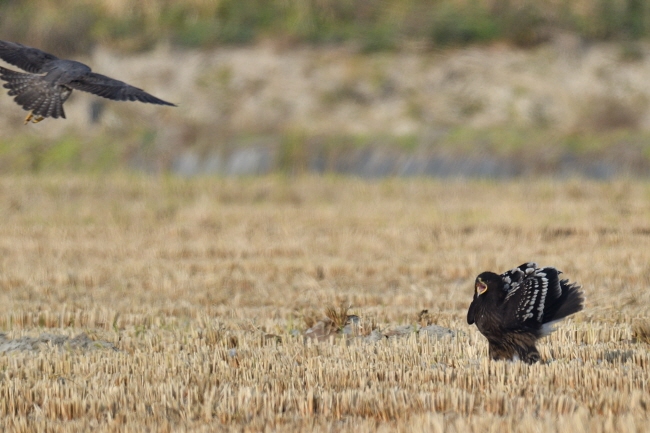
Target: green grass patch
296,151
67,26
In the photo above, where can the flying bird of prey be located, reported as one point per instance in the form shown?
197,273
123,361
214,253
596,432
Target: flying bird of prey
50,81
513,310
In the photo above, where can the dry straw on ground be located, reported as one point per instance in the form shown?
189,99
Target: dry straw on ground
206,286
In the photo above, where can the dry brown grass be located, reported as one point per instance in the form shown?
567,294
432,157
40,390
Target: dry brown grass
204,286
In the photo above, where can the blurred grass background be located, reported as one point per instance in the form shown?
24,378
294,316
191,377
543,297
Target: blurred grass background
369,30
76,25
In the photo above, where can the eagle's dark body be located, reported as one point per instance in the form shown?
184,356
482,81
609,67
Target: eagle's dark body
49,81
513,310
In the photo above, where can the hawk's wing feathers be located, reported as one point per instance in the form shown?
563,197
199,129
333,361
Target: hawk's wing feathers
117,90
34,94
26,58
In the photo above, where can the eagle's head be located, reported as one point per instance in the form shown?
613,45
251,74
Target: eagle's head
486,292
486,281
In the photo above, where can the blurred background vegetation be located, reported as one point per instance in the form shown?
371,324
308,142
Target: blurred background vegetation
77,25
192,145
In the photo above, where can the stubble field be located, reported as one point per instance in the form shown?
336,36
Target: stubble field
194,296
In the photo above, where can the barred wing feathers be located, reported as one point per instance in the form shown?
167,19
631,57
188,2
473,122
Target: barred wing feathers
536,296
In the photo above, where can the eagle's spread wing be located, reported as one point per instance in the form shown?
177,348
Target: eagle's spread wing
537,295
515,278
27,58
116,90
529,296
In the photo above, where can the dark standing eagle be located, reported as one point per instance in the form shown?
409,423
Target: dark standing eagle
50,82
513,310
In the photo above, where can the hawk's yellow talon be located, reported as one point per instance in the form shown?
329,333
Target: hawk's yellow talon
34,119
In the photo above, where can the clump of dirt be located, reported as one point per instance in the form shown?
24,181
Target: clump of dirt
338,322
641,331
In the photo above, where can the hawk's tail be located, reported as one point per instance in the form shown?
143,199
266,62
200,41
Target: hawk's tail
35,94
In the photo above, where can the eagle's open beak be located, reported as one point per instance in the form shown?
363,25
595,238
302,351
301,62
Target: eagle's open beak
481,287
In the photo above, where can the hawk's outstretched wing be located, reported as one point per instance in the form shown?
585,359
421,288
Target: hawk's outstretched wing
116,90
26,58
